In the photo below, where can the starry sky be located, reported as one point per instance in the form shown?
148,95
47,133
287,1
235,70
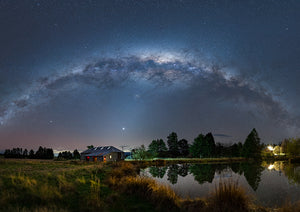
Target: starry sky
121,72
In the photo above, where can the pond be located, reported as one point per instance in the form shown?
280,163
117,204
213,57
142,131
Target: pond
269,184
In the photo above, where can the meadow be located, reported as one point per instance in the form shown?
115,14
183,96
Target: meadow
47,185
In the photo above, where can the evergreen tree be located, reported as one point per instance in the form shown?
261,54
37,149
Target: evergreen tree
195,148
31,154
183,147
252,147
76,154
25,153
210,145
157,146
173,144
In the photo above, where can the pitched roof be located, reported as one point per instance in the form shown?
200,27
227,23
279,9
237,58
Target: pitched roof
100,150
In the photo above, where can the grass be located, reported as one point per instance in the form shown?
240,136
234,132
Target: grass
228,196
41,185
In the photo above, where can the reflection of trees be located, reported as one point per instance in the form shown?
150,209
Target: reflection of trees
252,173
203,172
173,174
293,173
157,171
183,170
236,168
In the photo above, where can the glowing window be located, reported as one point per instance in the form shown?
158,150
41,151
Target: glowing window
110,156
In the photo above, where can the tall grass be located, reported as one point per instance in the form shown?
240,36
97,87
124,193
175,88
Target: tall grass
290,207
162,196
228,196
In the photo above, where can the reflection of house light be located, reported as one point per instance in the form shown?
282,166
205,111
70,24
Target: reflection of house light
270,148
271,166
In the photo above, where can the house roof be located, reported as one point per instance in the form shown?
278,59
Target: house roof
100,150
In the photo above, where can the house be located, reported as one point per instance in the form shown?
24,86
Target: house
102,153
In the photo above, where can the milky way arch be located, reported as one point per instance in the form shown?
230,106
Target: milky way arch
159,72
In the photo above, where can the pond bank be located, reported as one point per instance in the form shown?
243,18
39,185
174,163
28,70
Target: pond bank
41,185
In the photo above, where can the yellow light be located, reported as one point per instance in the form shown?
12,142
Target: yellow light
270,148
271,166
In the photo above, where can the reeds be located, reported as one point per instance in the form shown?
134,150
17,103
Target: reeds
228,196
162,196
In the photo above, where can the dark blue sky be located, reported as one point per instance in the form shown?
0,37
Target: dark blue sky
74,73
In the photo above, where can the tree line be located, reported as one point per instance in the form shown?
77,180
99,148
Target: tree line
203,146
67,155
41,153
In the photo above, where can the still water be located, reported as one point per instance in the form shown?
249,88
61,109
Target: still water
269,184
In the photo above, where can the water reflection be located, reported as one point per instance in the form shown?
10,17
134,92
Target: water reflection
158,172
293,173
206,172
203,172
260,179
173,174
252,173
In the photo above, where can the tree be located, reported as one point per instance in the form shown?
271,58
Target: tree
140,153
156,147
183,147
173,144
39,153
25,153
210,145
76,154
293,147
31,154
90,146
7,153
252,147
195,148
44,153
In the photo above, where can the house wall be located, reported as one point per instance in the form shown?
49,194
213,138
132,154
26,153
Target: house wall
114,156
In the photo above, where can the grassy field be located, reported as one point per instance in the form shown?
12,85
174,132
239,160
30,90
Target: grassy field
42,185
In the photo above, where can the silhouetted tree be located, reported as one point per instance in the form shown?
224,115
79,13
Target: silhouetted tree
25,153
173,144
210,145
252,147
7,153
44,153
76,154
183,148
90,147
31,154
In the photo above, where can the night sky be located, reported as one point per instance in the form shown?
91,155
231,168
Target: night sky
75,73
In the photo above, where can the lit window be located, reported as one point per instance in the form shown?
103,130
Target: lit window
110,156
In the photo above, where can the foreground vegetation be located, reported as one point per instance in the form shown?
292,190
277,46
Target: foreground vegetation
43,185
